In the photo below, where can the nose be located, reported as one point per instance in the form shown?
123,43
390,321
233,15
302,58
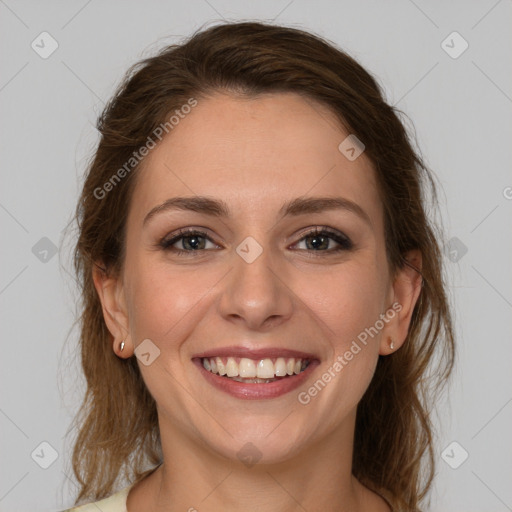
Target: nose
256,294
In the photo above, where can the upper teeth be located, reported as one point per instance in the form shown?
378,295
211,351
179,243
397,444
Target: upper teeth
249,368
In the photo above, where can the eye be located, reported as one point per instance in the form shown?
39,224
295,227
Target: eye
323,239
188,241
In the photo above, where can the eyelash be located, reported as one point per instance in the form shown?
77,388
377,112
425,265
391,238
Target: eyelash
344,243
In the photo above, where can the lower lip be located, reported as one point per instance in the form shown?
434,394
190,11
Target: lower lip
250,391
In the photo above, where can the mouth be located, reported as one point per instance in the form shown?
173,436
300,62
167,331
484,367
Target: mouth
255,374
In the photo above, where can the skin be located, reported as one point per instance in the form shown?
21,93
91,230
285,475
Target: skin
255,155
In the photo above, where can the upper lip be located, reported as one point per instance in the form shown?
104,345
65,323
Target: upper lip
256,354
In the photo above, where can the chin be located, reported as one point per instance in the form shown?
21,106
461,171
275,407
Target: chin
269,442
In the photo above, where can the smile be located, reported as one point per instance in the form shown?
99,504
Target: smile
255,374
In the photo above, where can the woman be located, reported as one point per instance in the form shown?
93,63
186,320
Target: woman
263,292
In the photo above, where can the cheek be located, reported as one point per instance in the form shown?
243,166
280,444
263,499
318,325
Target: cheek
346,302
163,301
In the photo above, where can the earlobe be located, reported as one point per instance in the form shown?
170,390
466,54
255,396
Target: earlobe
109,289
406,291
119,349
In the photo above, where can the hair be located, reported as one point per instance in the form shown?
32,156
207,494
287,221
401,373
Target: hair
117,420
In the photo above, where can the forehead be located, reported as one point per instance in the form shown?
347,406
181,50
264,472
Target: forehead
255,154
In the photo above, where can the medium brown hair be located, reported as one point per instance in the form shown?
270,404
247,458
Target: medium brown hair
117,421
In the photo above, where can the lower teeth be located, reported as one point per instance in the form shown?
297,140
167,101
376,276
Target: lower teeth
256,381
253,381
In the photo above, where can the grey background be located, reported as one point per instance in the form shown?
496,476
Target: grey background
461,111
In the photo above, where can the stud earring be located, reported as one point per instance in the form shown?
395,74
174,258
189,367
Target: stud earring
121,346
392,344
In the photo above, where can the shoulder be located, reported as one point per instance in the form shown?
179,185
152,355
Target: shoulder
114,503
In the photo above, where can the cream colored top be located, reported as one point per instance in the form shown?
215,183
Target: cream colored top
114,503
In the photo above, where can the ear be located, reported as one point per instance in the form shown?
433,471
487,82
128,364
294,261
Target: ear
111,293
404,294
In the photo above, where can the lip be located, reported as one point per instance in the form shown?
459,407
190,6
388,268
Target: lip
257,354
248,391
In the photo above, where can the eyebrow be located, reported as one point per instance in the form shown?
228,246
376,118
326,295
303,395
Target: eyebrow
298,206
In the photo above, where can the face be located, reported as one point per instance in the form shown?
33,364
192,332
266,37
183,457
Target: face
272,262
